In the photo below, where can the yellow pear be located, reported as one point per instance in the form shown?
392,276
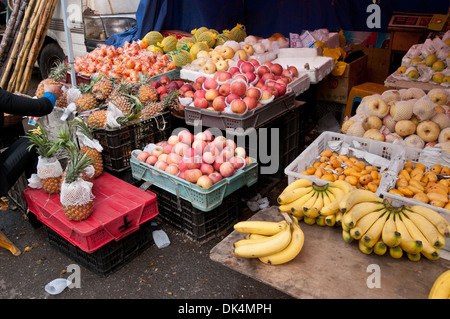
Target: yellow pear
413,74
415,60
438,77
430,59
446,79
438,66
402,69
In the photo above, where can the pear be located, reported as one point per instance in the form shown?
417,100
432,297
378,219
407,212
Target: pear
446,79
430,59
416,60
438,77
413,74
401,70
438,66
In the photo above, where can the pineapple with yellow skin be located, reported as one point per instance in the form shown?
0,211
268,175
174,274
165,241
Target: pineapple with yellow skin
56,75
87,100
97,119
103,88
46,149
146,92
76,194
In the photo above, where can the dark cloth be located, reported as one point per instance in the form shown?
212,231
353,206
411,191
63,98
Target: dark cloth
17,159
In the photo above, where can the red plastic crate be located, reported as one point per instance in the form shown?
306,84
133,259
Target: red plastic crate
119,209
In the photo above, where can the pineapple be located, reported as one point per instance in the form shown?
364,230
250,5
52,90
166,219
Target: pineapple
122,103
46,149
70,193
87,100
91,152
97,119
61,102
155,108
146,92
103,88
56,75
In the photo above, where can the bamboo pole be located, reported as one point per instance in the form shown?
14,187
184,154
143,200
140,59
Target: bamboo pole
6,39
37,45
11,60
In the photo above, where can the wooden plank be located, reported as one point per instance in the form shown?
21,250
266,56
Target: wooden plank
329,268
403,84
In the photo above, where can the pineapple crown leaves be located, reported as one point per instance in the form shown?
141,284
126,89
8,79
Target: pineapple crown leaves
83,127
77,163
39,138
87,87
65,134
58,72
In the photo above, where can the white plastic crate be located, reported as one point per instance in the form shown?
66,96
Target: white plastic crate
428,157
379,154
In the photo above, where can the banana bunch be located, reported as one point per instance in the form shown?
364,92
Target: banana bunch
272,243
313,203
380,227
441,287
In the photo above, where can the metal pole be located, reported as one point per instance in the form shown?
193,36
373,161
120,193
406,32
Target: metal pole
69,42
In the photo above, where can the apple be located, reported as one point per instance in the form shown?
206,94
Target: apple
238,87
173,139
164,80
259,84
197,86
280,88
287,73
200,79
255,63
237,162
276,68
188,94
267,76
163,157
262,69
186,137
248,160
192,175
206,168
225,89
293,70
180,148
222,76
208,158
167,148
238,106
173,158
172,86
211,94
233,70
254,93
172,169
201,102
155,84
193,162
220,142
199,93
217,164
240,152
266,94
247,67
268,63
156,151
161,90
151,160
273,90
240,77
181,175
251,76
189,153
204,181
215,177
231,97
182,165
227,169
231,144
162,165
142,156
199,146
251,102
184,88
210,83
219,103
227,153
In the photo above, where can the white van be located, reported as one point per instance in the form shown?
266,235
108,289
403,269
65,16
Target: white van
91,23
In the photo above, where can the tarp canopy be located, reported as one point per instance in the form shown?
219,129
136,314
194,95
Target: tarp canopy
263,18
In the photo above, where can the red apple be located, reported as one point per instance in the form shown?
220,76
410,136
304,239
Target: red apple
204,181
200,79
173,158
155,84
238,87
181,175
223,76
231,144
227,153
251,102
254,62
250,76
161,90
266,94
199,93
162,165
280,88
192,175
215,177
233,70
184,88
220,142
267,76
186,137
254,93
199,146
219,103
262,69
156,151
164,80
210,83
293,70
238,106
225,89
151,160
206,168
247,66
142,156
227,169
240,76
231,97
237,162
180,148
276,68
172,169
240,152
201,102
173,139
211,94
182,165
189,94
208,158
197,86
167,148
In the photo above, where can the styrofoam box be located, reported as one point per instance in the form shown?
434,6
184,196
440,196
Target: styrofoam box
428,157
385,152
306,60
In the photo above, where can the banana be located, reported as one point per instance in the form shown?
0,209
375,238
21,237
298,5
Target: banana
365,223
326,198
396,252
297,205
373,234
309,220
330,220
360,210
320,220
290,196
345,186
413,257
441,287
338,218
427,228
359,196
259,227
291,251
346,236
347,221
380,248
298,183
364,248
333,206
434,217
408,244
265,246
308,207
428,250
390,236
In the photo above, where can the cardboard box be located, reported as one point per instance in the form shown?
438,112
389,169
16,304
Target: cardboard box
336,89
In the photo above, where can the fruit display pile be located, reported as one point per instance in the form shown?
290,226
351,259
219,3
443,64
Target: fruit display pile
409,117
202,159
332,166
428,185
427,62
441,287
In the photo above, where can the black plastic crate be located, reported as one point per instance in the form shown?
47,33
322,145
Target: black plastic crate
119,143
109,258
196,224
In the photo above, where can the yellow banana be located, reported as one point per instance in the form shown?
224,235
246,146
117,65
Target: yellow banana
360,210
428,250
259,227
343,202
364,248
310,204
290,196
255,236
291,251
408,244
326,198
434,217
389,234
359,196
269,246
297,204
309,220
413,257
346,236
330,220
365,223
320,220
441,287
373,234
338,218
396,252
347,221
298,183
427,228
380,248
333,206
345,186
